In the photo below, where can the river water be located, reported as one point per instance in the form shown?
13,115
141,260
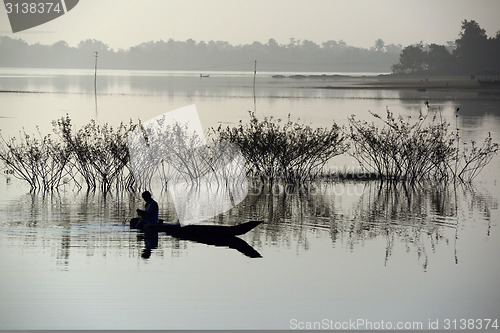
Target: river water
343,251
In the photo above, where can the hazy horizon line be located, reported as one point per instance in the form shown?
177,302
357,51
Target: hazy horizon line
297,41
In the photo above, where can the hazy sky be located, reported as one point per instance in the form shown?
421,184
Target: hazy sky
124,23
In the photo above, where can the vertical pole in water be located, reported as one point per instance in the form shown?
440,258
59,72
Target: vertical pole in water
254,75
95,83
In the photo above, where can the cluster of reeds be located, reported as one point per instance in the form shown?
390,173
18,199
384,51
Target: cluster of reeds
269,151
171,153
96,156
402,150
472,158
39,160
289,151
99,154
162,153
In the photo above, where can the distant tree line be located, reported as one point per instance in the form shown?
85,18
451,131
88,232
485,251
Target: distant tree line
472,53
305,55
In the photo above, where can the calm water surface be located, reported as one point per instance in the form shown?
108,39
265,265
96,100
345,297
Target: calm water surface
340,251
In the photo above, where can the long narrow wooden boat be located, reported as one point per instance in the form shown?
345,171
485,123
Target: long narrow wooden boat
204,230
217,235
198,230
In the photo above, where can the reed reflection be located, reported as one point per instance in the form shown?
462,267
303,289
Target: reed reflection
419,218
422,220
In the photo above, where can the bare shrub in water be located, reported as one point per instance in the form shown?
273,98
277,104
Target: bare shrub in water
273,151
40,161
472,158
171,153
100,153
288,151
168,152
414,152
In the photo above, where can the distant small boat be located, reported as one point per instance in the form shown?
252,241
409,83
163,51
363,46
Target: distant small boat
489,83
487,79
202,75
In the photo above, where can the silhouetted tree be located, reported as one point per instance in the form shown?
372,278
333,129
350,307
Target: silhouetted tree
473,52
471,48
439,60
411,60
379,45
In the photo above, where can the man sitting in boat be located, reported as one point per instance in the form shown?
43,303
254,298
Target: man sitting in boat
150,213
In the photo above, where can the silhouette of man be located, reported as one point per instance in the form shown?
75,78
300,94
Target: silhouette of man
150,213
149,216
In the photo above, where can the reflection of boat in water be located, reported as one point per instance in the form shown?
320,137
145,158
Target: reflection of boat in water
217,235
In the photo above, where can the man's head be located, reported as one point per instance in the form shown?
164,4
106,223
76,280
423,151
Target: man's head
146,195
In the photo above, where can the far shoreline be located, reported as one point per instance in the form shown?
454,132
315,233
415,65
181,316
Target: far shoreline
312,80
434,82
420,83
